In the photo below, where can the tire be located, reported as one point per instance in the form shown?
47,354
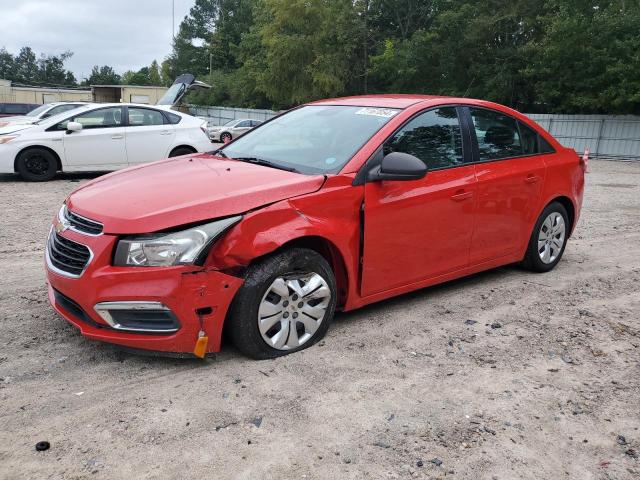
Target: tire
225,137
37,165
176,152
548,239
267,298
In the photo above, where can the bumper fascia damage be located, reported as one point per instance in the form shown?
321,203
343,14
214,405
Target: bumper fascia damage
189,293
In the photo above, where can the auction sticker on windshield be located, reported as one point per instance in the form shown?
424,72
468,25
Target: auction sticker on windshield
377,112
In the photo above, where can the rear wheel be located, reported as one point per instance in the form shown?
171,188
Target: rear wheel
37,165
285,304
548,240
176,152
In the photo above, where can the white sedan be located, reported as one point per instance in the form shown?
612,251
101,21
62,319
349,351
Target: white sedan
43,111
99,137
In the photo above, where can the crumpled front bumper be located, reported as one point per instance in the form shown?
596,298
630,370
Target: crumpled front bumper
183,289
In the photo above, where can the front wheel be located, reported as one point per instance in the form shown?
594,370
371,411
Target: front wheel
548,240
285,304
37,165
225,137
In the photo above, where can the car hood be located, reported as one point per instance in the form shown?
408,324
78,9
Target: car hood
184,190
13,128
21,120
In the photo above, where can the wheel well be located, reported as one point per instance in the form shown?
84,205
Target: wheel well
187,147
332,255
568,205
55,155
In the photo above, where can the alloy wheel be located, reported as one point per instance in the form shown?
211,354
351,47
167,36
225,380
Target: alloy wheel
551,237
36,164
292,310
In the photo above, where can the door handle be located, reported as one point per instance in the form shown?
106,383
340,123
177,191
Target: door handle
531,178
461,195
165,132
117,136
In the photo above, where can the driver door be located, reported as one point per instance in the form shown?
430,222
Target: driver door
101,142
420,229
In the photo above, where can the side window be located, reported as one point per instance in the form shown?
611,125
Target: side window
544,146
529,140
59,109
497,134
245,124
144,117
434,137
102,118
173,118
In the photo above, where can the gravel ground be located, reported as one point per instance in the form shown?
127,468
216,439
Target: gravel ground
503,375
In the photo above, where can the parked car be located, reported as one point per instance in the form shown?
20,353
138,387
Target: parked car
232,129
40,113
332,205
12,109
99,137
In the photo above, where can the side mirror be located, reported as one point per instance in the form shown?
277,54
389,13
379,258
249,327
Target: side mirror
399,166
73,127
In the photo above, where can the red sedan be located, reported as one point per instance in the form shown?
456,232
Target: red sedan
332,205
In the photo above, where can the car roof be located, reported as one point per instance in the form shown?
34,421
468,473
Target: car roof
384,100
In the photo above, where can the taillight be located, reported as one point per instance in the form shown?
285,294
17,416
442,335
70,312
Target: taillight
203,127
584,161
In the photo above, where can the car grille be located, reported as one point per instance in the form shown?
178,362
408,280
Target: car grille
66,255
82,224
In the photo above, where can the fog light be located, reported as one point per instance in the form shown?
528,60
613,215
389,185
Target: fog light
149,317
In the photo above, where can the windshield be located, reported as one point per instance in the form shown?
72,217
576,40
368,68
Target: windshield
312,139
38,111
230,123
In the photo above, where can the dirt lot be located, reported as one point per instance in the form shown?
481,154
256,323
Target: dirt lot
503,375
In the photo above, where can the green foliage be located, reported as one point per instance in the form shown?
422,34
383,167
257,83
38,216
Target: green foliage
28,69
535,55
151,75
104,75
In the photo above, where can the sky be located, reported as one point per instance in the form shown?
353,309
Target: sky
125,34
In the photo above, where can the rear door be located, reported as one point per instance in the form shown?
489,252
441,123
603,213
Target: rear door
420,229
149,135
510,178
241,128
100,143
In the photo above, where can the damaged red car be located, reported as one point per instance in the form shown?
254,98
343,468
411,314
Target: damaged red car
330,206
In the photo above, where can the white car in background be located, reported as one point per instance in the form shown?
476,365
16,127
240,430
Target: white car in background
98,137
232,129
40,113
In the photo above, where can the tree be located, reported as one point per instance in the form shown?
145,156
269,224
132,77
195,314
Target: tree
587,60
154,74
141,77
7,64
104,75
26,66
534,55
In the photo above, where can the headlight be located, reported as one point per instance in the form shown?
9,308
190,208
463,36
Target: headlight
7,138
164,250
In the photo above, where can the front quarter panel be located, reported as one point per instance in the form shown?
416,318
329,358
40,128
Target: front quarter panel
332,214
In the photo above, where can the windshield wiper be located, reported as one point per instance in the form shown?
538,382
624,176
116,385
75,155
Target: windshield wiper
219,153
265,163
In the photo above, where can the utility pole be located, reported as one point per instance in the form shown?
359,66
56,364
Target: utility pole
173,20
